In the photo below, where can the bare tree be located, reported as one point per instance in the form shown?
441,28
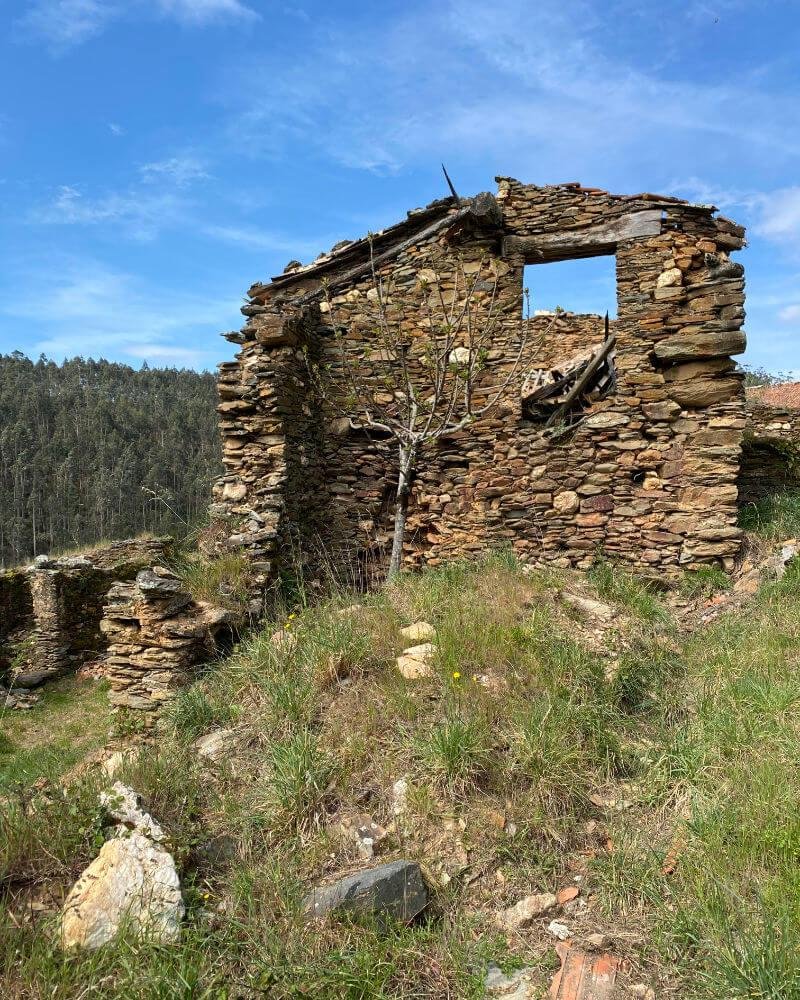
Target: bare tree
421,379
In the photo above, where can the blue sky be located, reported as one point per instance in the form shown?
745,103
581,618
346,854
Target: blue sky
158,156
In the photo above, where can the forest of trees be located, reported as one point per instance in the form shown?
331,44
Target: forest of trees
82,443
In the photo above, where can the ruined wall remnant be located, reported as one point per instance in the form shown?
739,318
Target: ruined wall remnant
771,447
158,636
51,611
648,475
16,619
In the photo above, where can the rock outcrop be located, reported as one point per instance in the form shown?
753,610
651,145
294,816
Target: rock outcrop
132,886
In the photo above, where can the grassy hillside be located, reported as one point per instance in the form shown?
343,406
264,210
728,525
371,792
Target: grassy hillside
652,763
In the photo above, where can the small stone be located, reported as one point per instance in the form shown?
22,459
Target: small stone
566,502
113,764
520,985
672,276
395,890
589,607
559,930
400,797
598,941
523,913
419,632
215,745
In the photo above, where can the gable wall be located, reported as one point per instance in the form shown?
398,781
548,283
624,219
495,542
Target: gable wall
648,477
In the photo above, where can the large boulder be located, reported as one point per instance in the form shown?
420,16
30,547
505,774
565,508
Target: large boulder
131,884
395,890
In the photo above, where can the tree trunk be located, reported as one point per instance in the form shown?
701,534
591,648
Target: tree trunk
408,457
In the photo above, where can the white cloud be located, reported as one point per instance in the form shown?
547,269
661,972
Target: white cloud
250,238
140,215
205,11
790,314
115,129
543,86
779,217
178,170
65,23
82,314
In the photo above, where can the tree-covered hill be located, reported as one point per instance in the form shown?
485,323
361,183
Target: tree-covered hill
82,443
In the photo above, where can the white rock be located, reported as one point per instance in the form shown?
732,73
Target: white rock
672,276
214,746
607,418
460,356
523,913
114,763
415,662
589,607
284,641
131,883
400,797
559,930
419,632
122,803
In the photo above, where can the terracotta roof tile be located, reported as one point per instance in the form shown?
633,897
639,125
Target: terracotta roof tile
785,395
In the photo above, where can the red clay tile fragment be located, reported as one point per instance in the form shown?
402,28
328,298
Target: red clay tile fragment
565,895
582,976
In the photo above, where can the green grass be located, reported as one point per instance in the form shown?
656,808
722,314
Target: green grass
526,760
773,518
71,719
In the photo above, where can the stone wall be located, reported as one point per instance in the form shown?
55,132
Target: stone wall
648,476
770,451
16,617
56,605
157,637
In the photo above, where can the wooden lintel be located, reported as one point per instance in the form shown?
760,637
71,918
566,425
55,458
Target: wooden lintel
592,242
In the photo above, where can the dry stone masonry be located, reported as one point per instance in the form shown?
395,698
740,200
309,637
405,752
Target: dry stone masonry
158,636
771,447
50,612
648,474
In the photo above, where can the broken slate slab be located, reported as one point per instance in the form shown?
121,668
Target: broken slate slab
395,890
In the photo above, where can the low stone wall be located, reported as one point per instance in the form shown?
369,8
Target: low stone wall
158,638
52,609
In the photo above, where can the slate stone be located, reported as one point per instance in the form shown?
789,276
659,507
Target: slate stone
393,890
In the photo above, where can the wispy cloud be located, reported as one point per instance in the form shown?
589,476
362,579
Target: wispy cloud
82,315
116,129
63,24
141,216
66,23
251,238
206,11
542,84
178,170
780,216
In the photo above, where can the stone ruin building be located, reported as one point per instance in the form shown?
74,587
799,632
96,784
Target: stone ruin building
655,447
647,469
